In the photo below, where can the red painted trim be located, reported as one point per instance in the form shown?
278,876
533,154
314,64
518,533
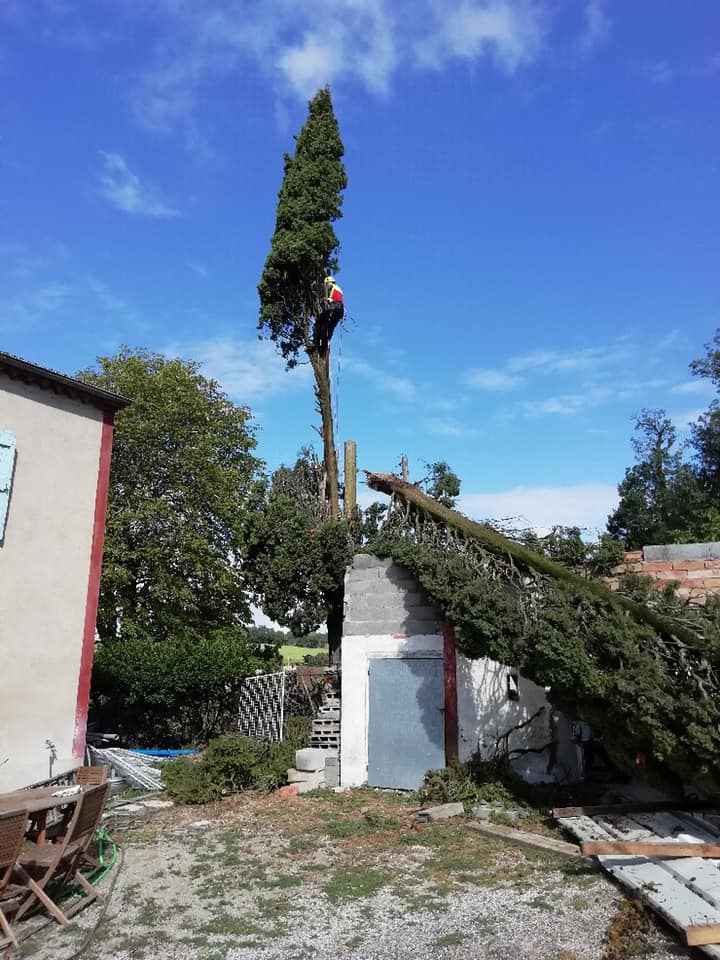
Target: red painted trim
93,589
451,705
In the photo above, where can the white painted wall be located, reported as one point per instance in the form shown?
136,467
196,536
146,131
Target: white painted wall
44,568
485,713
357,651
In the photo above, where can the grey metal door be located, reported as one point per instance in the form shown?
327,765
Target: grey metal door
406,725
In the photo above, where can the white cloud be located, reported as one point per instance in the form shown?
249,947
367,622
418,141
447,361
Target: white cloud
399,387
124,189
511,33
301,46
492,379
683,418
447,427
701,388
584,505
595,361
199,268
565,404
597,26
247,370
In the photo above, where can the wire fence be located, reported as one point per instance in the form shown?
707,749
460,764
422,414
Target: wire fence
267,700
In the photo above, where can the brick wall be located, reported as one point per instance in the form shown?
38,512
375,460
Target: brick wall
698,577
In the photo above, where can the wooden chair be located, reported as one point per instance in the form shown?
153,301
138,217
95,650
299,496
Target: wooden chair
55,864
91,776
12,830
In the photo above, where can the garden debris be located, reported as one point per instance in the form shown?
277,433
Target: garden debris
139,770
442,812
659,856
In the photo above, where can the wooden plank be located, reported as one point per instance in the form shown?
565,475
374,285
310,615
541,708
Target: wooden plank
636,806
548,844
700,936
671,899
594,848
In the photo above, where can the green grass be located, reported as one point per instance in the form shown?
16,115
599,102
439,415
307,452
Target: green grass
450,940
354,883
291,654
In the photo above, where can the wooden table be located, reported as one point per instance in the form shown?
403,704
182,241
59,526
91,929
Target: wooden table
38,801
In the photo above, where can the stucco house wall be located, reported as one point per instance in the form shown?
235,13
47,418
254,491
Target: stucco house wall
386,615
46,589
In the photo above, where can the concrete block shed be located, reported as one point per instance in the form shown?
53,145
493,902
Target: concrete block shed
411,703
55,448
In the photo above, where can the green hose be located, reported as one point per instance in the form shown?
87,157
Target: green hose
103,839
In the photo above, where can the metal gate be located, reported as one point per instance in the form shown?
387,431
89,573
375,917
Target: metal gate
406,724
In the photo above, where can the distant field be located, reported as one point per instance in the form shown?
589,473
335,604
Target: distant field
292,654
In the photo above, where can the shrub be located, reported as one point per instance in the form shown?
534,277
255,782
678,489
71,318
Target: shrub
232,763
477,781
187,781
171,693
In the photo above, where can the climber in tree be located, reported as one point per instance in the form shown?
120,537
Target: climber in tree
331,312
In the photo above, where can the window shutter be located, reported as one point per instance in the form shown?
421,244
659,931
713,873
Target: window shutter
7,463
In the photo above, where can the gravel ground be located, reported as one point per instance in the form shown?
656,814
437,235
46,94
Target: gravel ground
347,878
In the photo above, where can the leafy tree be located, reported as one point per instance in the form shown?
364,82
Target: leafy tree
705,439
267,635
660,501
177,692
442,484
295,557
182,471
303,251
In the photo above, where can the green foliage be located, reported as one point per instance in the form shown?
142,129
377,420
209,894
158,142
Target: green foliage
567,546
232,763
642,690
705,439
442,484
186,781
182,470
664,498
477,781
315,659
660,498
173,692
304,245
303,251
295,558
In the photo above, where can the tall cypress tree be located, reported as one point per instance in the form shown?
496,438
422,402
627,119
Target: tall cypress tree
303,252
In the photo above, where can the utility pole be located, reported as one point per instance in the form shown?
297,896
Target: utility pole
404,468
350,478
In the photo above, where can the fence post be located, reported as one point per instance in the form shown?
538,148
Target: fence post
282,708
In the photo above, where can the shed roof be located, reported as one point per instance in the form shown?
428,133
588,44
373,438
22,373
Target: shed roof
18,369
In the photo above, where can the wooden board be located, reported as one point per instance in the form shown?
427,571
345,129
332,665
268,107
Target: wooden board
548,844
614,848
700,936
637,806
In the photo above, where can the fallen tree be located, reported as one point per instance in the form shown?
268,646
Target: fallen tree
645,675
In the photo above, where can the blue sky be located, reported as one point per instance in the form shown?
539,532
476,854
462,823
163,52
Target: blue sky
529,247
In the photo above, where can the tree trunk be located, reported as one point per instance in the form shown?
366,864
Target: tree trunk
321,368
495,542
